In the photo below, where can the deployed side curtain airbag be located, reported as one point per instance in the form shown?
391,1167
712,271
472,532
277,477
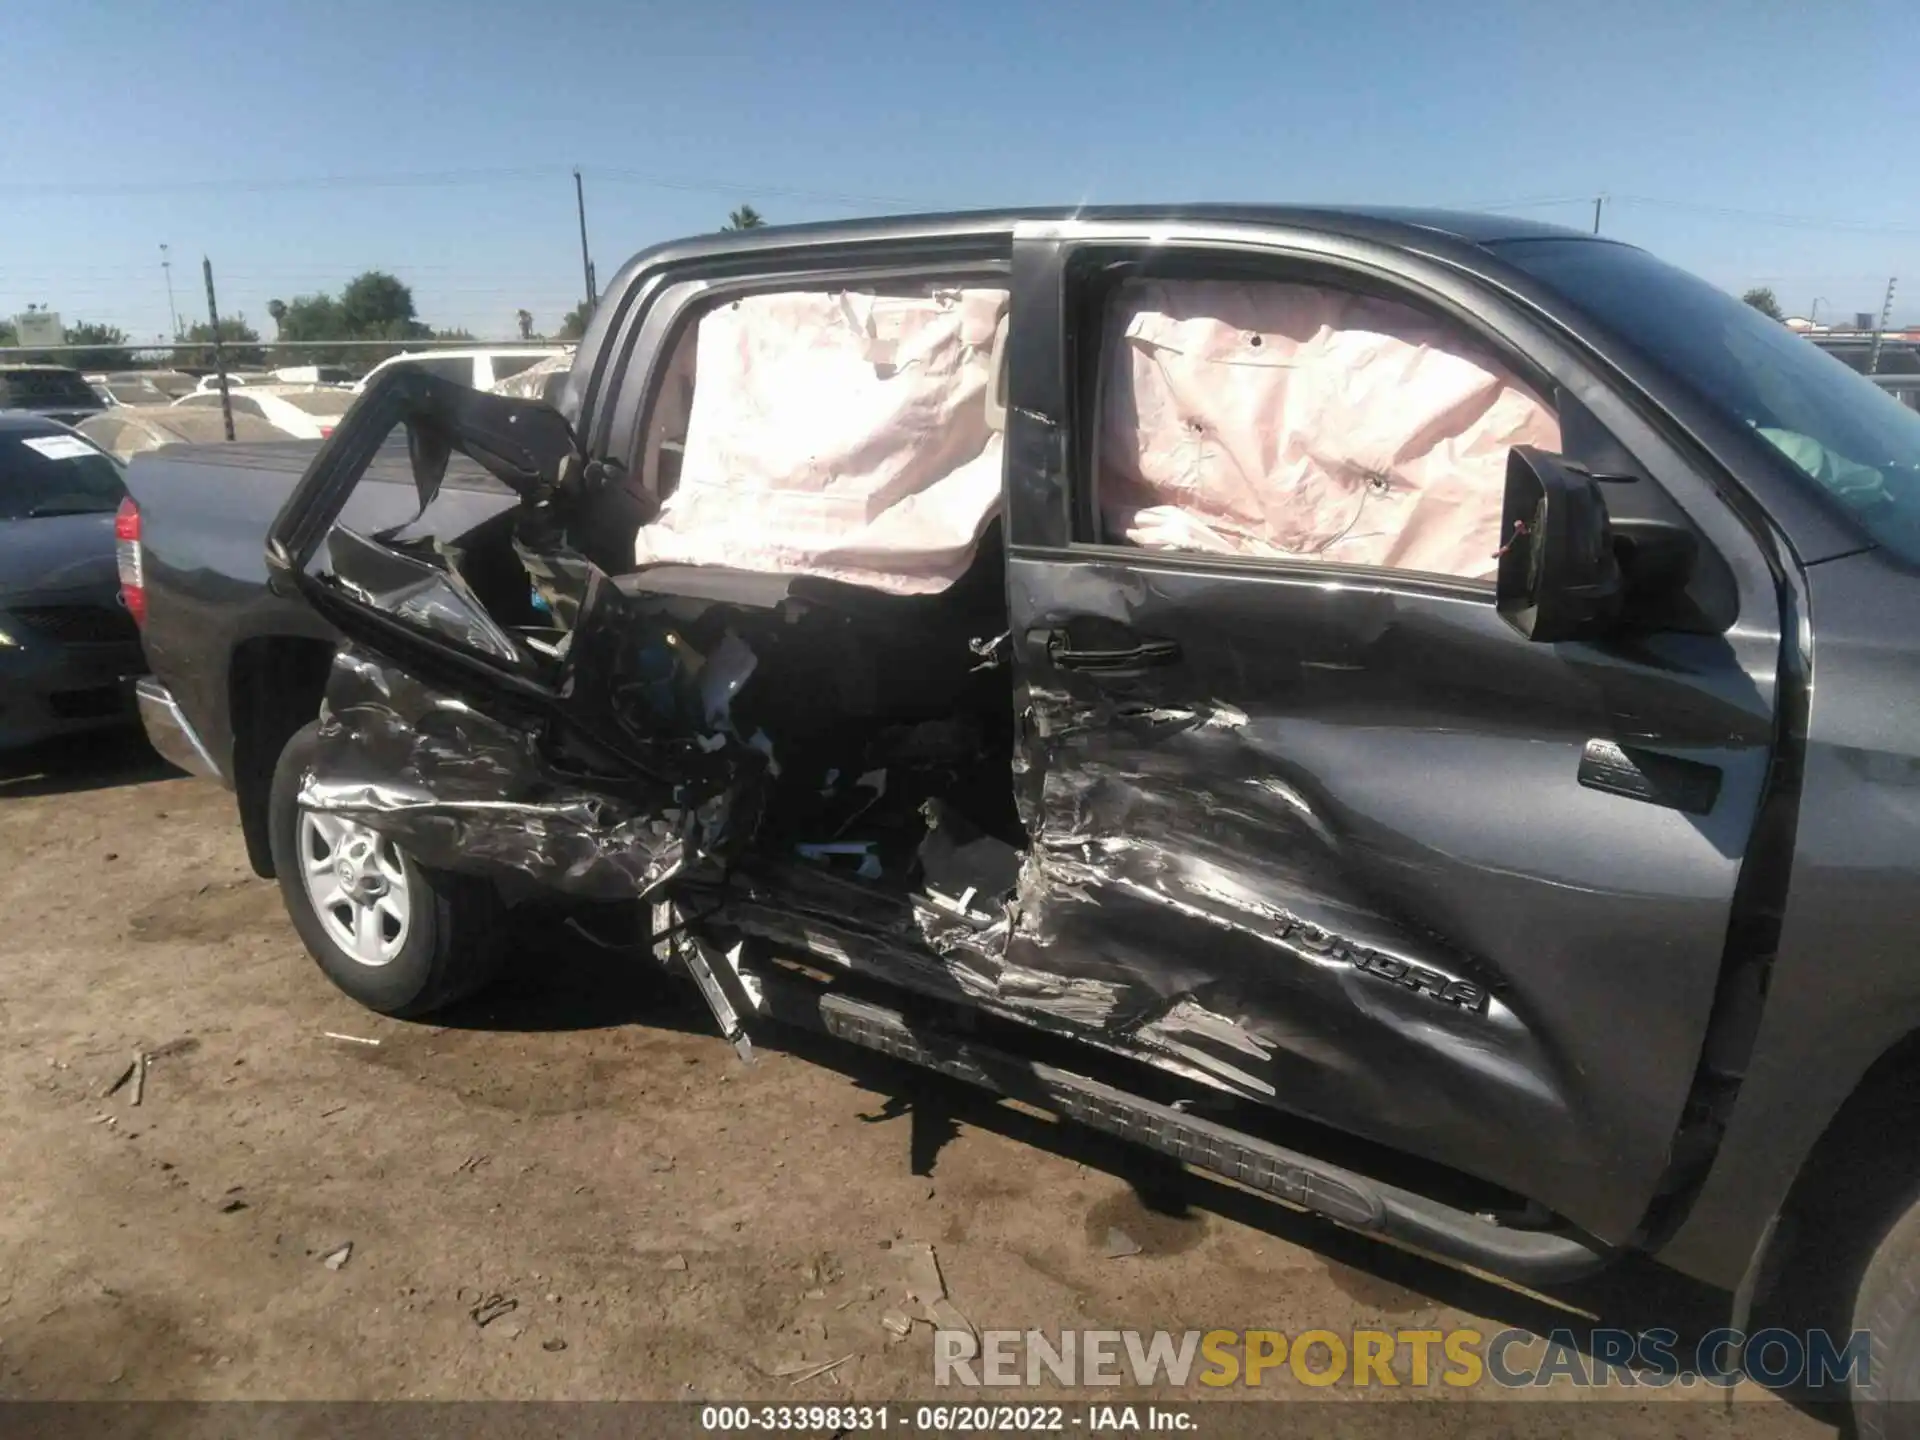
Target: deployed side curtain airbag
1305,423
839,435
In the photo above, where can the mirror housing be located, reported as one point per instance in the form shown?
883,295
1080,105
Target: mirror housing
1559,578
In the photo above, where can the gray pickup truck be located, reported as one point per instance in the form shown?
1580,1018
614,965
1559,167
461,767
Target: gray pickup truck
1414,712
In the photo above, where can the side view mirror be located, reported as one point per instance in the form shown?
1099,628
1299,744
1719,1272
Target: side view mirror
1559,576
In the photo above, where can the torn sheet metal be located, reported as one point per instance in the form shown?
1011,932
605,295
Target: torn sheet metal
491,791
717,976
550,756
416,582
460,790
1192,1031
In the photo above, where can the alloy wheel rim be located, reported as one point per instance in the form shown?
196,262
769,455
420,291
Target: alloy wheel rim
358,883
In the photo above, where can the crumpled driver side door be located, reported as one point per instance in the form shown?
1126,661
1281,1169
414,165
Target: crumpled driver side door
505,734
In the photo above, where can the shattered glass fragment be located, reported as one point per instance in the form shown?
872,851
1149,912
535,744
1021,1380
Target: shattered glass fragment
729,667
869,867
417,583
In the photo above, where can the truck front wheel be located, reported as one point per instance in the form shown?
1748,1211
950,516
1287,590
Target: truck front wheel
1887,1404
398,938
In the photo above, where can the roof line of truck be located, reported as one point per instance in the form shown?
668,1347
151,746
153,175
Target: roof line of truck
1360,222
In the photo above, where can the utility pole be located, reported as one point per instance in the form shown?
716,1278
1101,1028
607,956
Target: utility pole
166,265
1598,200
1886,316
586,265
219,350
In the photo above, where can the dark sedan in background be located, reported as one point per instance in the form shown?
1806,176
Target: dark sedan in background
68,648
52,391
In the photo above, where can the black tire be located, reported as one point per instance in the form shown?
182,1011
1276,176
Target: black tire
453,944
1887,1307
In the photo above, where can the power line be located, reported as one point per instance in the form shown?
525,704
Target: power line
410,180
782,192
706,185
1764,217
1769,217
429,179
1543,203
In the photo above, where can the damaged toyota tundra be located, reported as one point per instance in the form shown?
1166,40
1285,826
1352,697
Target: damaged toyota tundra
1328,696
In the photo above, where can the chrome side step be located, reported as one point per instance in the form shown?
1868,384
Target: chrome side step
1527,1256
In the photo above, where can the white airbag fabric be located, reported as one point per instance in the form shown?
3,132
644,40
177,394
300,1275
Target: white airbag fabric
839,435
1297,422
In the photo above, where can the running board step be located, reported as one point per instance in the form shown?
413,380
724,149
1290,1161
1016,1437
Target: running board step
1530,1257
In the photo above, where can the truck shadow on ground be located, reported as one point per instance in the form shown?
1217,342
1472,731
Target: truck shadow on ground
581,985
1163,1210
561,978
76,763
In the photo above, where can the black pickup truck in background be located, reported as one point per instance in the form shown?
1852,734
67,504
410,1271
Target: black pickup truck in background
1530,917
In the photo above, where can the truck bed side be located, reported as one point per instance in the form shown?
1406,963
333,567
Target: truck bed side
221,643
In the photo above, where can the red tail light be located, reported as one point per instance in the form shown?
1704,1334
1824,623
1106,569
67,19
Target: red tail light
126,547
325,431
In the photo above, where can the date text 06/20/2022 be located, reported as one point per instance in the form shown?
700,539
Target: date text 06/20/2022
938,1419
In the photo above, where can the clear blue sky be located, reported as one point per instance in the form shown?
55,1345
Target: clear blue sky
206,125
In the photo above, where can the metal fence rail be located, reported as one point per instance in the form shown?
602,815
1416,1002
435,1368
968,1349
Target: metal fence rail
162,351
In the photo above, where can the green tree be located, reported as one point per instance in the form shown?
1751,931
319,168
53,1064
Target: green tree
8,335
240,340
574,324
1761,299
745,218
376,306
109,350
371,306
309,318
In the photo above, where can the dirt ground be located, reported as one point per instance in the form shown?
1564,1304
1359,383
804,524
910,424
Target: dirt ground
669,1223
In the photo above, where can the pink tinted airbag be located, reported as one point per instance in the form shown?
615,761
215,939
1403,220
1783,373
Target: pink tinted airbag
1299,422
838,434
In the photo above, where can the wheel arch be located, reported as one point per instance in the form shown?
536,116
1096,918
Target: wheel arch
1853,1182
275,685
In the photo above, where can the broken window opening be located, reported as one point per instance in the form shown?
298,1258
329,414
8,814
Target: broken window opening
849,434
831,706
